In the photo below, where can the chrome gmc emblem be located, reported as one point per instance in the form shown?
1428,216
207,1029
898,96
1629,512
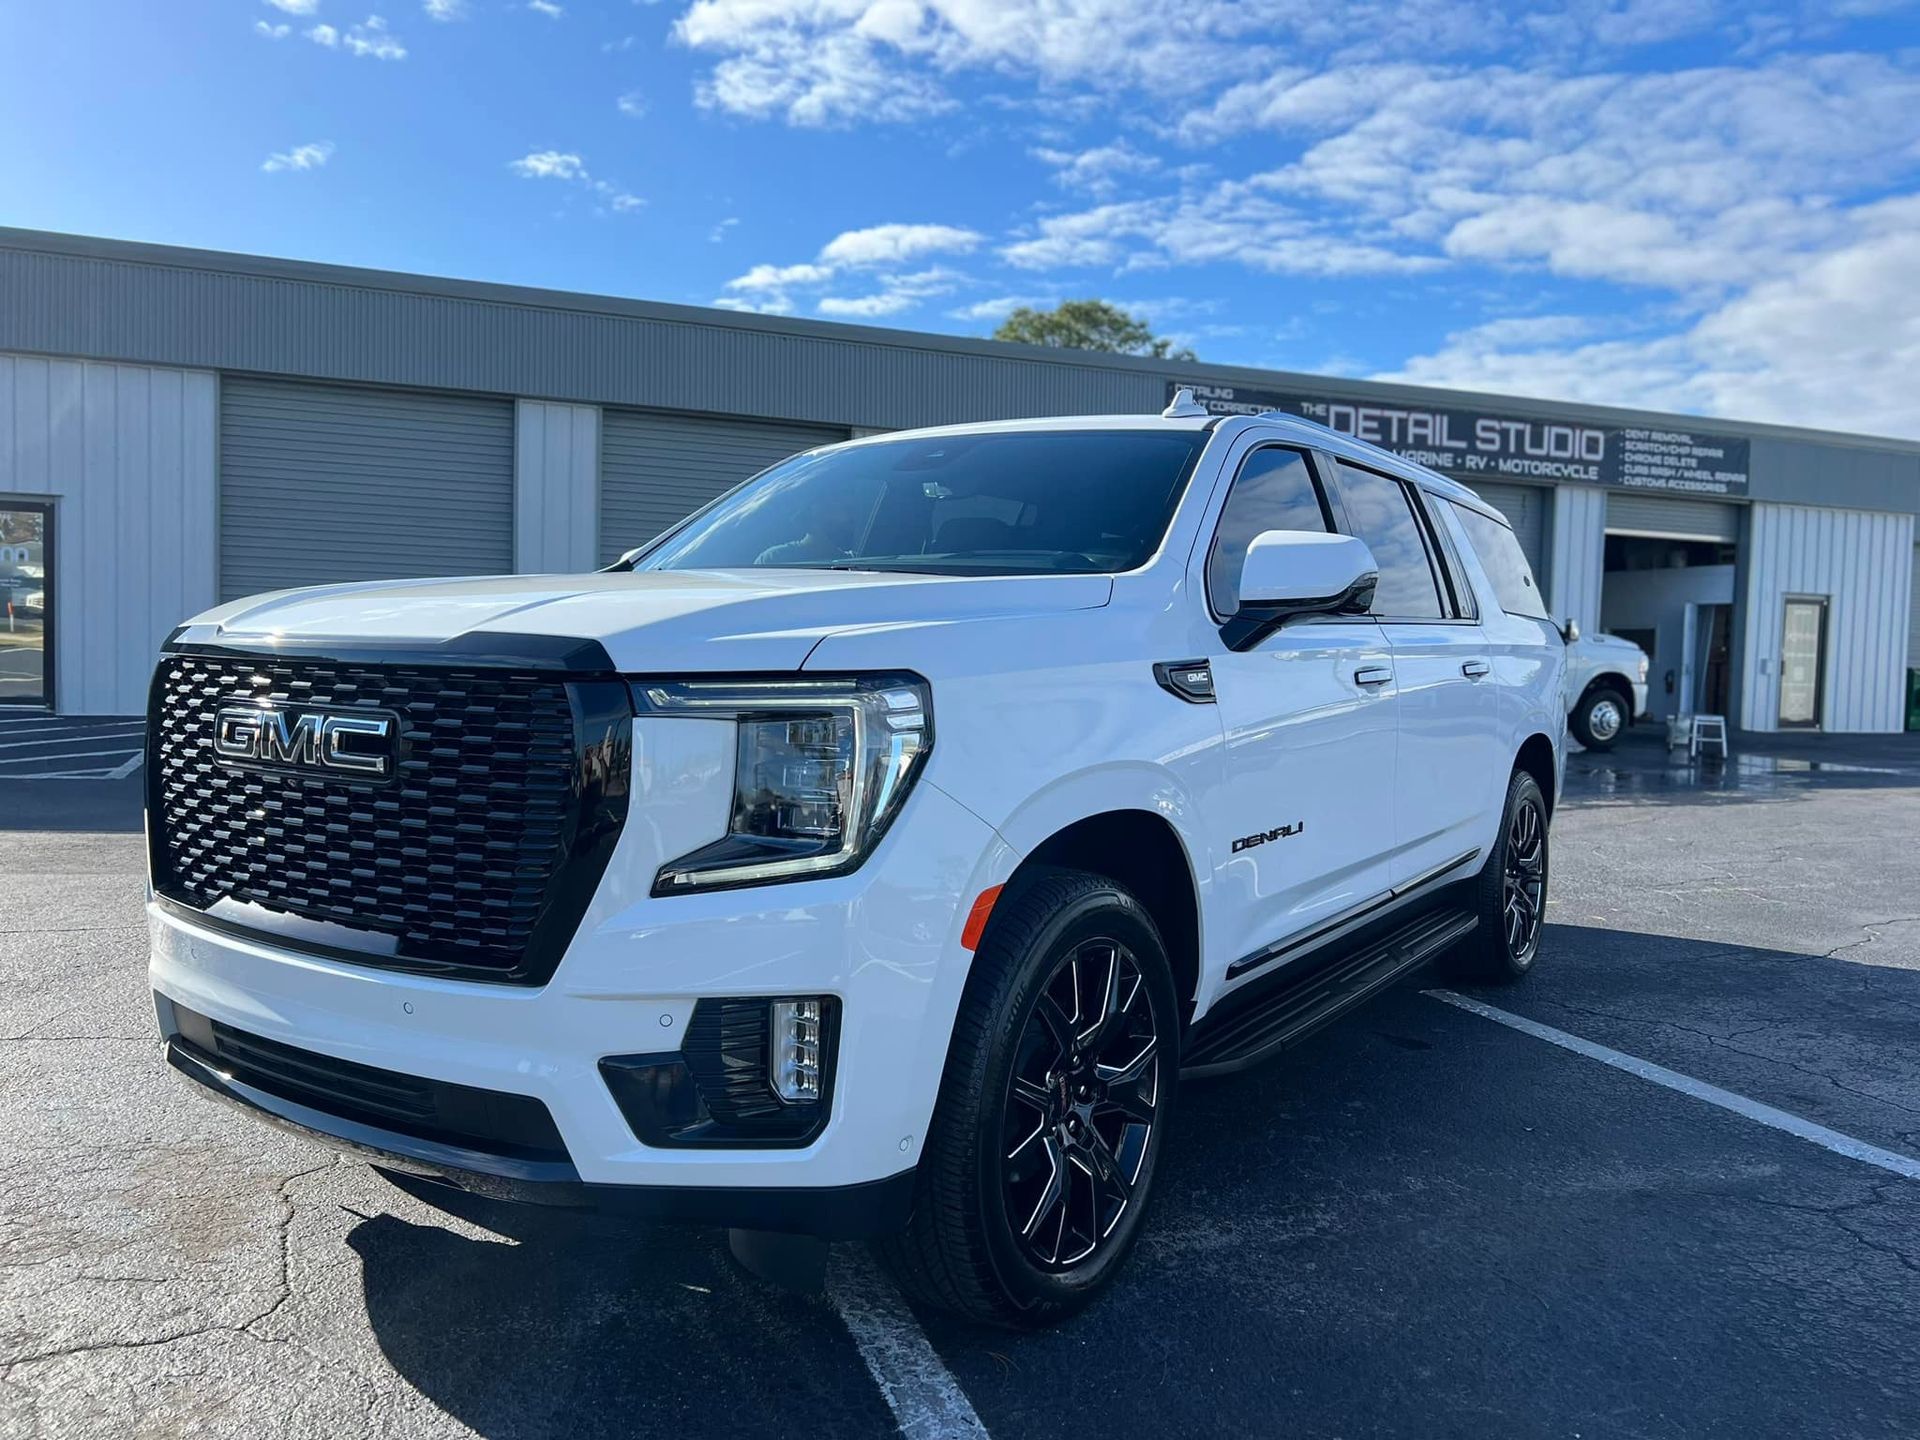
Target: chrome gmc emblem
348,743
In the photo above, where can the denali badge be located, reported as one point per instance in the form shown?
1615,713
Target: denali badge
354,743
1282,832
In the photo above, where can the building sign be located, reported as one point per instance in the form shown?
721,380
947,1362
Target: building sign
1478,445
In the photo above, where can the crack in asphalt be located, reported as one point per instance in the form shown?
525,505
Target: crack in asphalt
283,1225
1724,1042
1873,928
1838,1214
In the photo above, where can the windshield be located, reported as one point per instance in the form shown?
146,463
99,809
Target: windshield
1038,502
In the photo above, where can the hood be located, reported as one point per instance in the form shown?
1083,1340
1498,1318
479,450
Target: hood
1603,641
649,621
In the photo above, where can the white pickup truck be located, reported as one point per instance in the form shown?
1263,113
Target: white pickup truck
870,855
1606,687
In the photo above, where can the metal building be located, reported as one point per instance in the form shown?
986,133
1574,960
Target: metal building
181,426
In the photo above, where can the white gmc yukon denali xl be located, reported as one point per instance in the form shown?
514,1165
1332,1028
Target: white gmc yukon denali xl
871,854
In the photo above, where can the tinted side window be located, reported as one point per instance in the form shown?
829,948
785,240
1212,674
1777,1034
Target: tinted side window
1273,491
1505,563
1381,513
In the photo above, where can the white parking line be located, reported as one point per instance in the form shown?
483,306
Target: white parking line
927,1402
1826,1139
73,737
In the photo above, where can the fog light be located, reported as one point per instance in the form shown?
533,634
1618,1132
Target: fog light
794,1058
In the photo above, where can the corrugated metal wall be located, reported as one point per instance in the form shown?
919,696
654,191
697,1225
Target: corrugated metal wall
1525,507
127,454
556,487
657,469
1577,558
1643,514
1862,563
325,483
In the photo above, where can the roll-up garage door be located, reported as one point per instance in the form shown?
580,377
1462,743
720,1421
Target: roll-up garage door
328,483
1525,507
1913,617
1671,518
656,468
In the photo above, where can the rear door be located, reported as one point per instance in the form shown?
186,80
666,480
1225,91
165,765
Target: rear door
1303,821
1448,716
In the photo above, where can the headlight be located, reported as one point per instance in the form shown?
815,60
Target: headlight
1643,669
821,768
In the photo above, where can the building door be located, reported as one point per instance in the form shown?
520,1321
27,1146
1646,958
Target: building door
26,603
1803,635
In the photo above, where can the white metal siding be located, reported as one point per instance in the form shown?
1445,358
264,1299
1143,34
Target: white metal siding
1525,507
1862,562
325,483
127,454
1577,560
556,485
656,469
1664,515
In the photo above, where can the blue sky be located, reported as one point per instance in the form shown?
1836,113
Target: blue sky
1685,204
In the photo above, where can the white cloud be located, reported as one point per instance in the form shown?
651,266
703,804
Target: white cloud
780,277
445,10
546,8
632,104
271,32
891,244
549,165
896,293
301,157
569,168
1097,171
878,248
719,231
1833,345
997,308
296,7
370,39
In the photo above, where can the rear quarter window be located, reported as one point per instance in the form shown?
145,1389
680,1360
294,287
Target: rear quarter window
1505,563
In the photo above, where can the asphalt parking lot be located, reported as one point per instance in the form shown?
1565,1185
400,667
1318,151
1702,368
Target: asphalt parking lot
1424,1222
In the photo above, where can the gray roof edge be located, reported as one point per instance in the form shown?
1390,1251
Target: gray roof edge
91,247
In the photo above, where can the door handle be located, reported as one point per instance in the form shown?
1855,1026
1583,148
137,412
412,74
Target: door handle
1474,669
1372,675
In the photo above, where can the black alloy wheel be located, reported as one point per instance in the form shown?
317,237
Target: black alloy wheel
1524,882
1081,1103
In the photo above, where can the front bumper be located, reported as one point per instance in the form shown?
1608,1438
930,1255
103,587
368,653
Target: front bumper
1639,699
842,1212
883,941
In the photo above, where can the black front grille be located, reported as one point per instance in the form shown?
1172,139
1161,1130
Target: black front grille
476,857
492,1121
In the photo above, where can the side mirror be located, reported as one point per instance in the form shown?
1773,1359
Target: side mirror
1290,573
1570,632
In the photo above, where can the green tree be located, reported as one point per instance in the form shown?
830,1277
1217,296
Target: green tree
1088,325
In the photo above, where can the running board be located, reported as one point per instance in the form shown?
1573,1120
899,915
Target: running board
1293,1010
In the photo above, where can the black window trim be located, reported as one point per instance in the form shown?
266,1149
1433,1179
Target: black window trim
1422,526
1332,516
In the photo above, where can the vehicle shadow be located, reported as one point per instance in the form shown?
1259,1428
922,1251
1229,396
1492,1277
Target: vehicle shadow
573,1325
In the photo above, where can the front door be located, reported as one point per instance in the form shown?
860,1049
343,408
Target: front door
1303,824
1803,637
26,557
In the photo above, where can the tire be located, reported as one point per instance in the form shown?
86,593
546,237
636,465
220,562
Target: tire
1600,718
983,1241
1492,954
